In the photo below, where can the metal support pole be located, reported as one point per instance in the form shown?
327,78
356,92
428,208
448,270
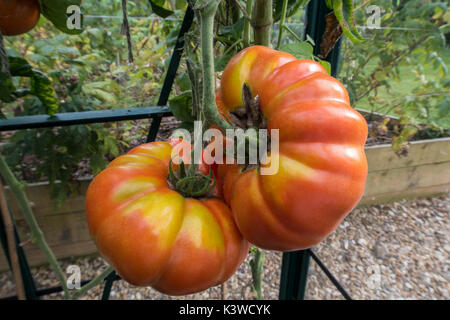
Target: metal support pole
108,285
28,282
294,270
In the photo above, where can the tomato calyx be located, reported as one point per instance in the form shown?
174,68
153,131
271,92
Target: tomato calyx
190,182
249,115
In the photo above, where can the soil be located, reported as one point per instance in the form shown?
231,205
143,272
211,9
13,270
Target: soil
391,251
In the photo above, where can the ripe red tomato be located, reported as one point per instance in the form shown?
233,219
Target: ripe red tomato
18,16
322,164
152,235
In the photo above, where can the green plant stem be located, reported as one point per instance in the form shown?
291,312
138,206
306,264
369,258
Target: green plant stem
210,111
234,45
18,190
93,283
292,33
263,20
282,22
247,25
256,265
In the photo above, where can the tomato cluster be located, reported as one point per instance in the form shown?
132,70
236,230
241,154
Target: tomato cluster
154,236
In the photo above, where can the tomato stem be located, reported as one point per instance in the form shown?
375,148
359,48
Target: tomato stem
263,20
247,29
18,190
282,22
93,283
207,14
257,265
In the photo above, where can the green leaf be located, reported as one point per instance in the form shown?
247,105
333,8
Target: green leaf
19,67
158,9
222,62
181,106
111,146
300,50
183,82
100,94
41,85
293,6
325,64
234,30
7,88
349,14
341,9
56,12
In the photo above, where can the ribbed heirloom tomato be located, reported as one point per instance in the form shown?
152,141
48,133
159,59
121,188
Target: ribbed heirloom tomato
322,164
152,235
18,16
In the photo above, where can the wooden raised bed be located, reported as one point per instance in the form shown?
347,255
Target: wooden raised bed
424,172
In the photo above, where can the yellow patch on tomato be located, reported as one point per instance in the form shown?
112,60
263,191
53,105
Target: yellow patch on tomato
163,212
236,77
159,150
201,227
135,160
288,170
134,186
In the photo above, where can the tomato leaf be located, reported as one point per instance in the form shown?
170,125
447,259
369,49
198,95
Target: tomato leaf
158,9
7,88
325,64
293,6
181,106
41,85
300,50
56,12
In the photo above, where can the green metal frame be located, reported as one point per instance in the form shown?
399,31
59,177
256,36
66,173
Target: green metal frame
295,264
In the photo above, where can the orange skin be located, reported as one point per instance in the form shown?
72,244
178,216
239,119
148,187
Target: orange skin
152,235
18,16
322,164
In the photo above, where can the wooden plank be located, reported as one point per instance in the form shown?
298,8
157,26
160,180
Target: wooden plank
404,194
59,229
36,258
403,179
41,203
382,157
68,233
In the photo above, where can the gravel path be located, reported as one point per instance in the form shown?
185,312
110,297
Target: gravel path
393,251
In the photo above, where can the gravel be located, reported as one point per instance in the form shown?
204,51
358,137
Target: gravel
392,251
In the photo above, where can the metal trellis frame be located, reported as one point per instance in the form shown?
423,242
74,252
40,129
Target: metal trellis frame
295,264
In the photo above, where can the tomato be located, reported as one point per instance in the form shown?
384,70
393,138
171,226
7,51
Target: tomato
18,16
152,235
322,164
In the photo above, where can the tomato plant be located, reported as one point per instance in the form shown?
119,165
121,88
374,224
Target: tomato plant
154,236
17,17
322,164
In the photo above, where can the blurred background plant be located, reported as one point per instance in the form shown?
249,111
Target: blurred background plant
89,71
402,70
